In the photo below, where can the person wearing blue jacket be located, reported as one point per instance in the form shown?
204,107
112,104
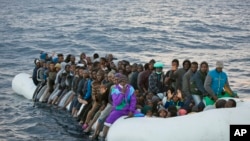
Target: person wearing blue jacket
215,82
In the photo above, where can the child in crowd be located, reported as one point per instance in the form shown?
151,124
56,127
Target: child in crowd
172,111
174,99
162,112
148,106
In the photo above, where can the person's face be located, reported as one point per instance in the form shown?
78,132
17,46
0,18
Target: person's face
123,83
80,72
204,68
83,56
137,92
88,59
112,65
85,74
110,78
128,68
72,59
149,113
163,113
186,66
115,80
51,66
47,65
60,59
106,76
90,67
139,69
44,65
67,68
175,98
76,72
150,66
194,68
149,95
158,69
72,68
174,66
99,76
150,103
58,69
134,68
219,69
93,75
119,64
38,64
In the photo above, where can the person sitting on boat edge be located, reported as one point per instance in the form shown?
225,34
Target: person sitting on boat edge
86,107
65,80
96,97
84,91
50,82
124,103
74,85
106,90
197,83
215,82
104,100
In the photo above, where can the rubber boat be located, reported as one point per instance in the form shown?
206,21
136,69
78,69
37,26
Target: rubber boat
208,125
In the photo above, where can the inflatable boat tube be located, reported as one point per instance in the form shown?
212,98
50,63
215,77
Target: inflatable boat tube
41,92
213,124
44,93
208,125
80,110
64,99
22,84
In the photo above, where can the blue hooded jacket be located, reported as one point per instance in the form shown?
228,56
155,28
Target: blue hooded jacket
219,79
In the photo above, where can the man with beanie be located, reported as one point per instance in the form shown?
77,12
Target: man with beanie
156,79
215,82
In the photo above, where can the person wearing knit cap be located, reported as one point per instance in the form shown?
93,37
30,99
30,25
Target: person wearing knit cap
215,82
156,79
43,56
123,79
124,103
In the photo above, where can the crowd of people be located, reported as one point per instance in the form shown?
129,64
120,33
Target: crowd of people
101,89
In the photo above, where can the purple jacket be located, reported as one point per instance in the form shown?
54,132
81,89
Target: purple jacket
125,102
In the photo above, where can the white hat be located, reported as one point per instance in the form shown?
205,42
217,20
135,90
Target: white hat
219,64
160,95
